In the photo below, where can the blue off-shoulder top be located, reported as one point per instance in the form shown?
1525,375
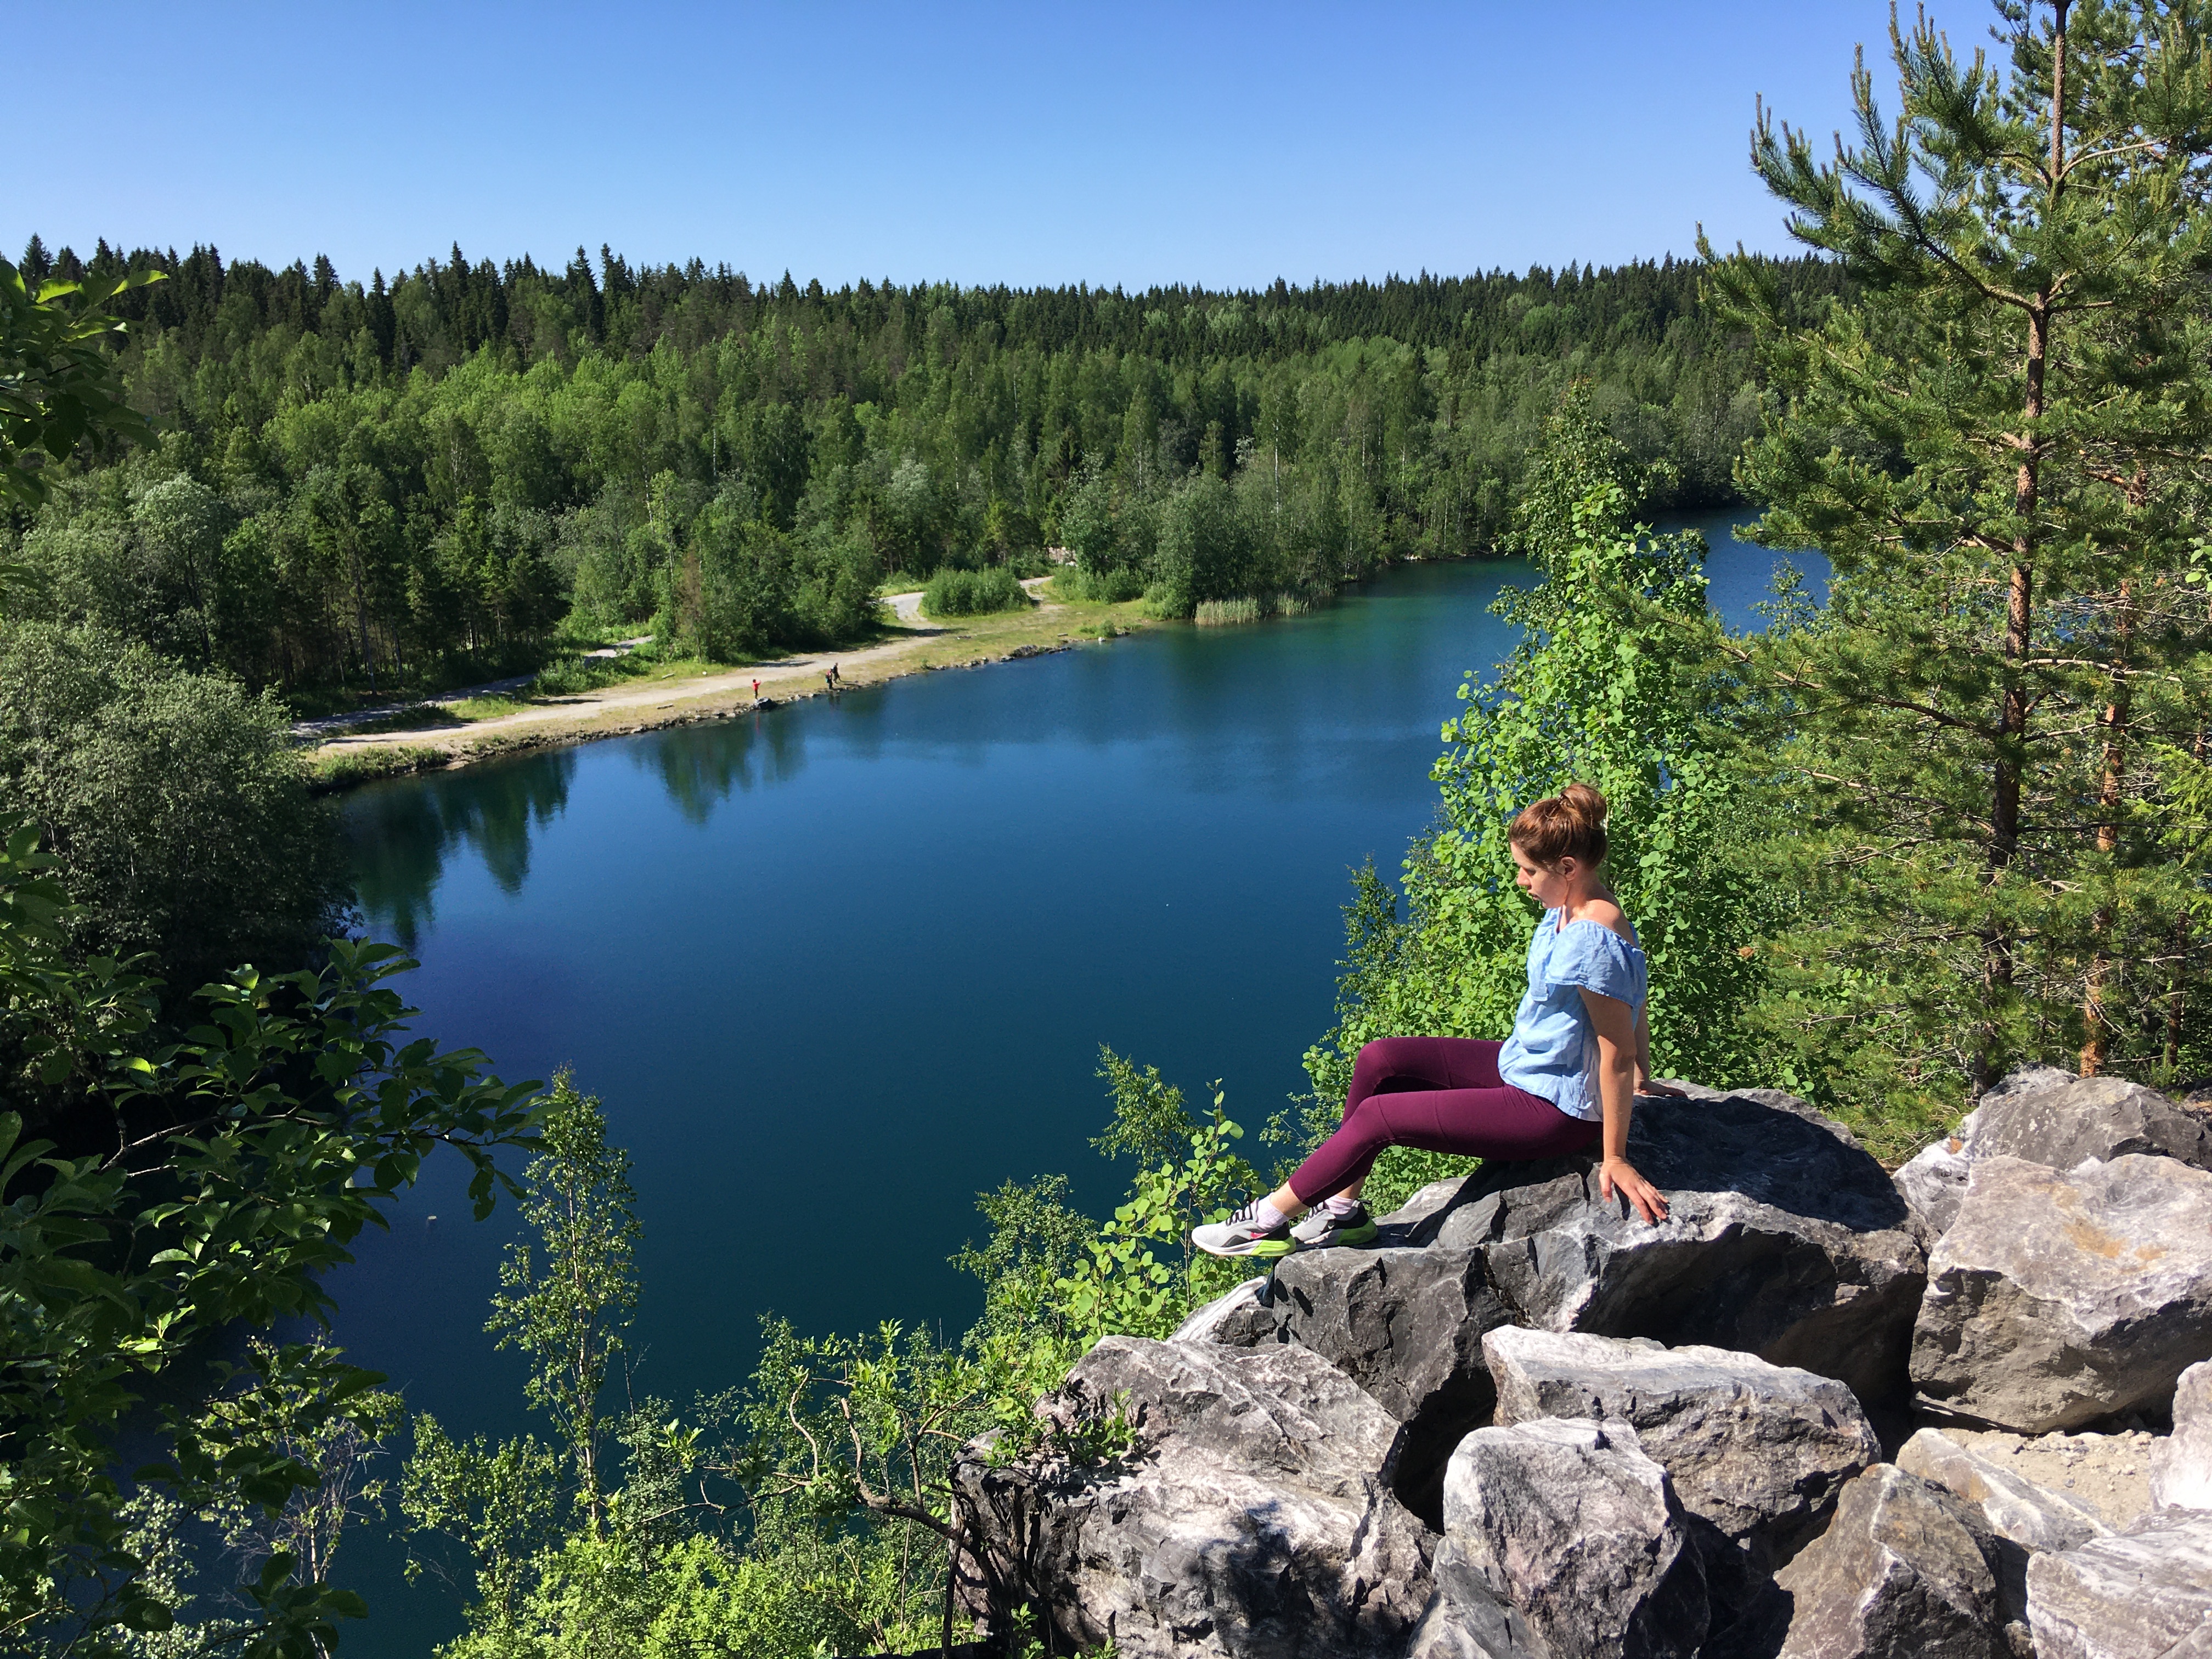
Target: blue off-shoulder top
1553,1050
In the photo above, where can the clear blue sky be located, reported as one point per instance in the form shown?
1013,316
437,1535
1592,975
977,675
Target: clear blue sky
1037,143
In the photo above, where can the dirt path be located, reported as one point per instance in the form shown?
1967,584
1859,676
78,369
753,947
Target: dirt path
783,678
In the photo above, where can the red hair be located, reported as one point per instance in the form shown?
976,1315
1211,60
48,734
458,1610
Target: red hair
1568,825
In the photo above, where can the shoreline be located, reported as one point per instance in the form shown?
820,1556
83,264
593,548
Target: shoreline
626,710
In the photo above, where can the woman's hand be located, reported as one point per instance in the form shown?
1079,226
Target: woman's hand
1645,1085
1618,1175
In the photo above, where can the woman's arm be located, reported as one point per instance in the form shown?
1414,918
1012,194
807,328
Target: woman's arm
1623,1054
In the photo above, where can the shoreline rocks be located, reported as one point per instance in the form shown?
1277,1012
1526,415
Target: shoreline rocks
2055,1301
1524,1425
1251,1517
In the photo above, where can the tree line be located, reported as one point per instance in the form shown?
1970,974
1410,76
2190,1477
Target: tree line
359,487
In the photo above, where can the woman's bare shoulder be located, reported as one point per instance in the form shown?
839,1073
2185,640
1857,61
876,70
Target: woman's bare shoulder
1608,915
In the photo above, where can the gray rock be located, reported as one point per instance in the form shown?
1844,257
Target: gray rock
2052,1117
1785,1240
2056,1300
1252,1515
1933,1180
2024,1518
1406,1325
2143,1594
2032,1516
1903,1572
1562,1540
2181,1464
2061,1123
1759,1450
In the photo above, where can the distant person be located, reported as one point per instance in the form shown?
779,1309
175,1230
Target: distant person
1566,1079
836,674
829,679
756,691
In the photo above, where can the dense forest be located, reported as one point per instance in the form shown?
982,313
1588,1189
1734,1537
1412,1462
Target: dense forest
363,486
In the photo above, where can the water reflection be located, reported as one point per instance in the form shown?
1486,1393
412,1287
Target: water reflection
699,765
401,835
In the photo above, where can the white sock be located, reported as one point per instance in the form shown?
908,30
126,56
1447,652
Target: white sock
1341,1203
1266,1215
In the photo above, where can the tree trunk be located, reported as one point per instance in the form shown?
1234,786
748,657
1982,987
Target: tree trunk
2109,790
2020,600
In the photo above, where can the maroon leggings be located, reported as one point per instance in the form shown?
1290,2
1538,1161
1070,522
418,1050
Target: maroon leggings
1442,1094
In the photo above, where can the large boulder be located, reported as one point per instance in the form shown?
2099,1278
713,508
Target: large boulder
1562,1541
1760,1451
1903,1571
2032,1516
2143,1594
1785,1239
1251,1514
2057,1299
2052,1117
2181,1466
1406,1325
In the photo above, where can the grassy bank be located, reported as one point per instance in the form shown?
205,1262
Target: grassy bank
687,691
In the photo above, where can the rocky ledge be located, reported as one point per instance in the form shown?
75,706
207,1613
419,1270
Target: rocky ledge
1817,1412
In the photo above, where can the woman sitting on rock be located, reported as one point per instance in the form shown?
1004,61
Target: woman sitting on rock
1579,1055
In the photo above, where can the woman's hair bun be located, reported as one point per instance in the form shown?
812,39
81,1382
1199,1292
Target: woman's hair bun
1568,825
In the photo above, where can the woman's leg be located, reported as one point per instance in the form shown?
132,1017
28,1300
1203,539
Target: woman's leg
1498,1122
1404,1064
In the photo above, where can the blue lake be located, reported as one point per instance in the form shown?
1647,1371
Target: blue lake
837,967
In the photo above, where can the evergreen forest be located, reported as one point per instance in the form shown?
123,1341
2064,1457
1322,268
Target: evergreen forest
1882,851
368,488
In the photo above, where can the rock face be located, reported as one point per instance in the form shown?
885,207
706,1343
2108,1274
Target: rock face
2144,1594
2055,1300
1562,1539
1785,1240
1903,1572
1758,1451
2032,1516
1252,1515
2181,1466
2052,1117
1406,1325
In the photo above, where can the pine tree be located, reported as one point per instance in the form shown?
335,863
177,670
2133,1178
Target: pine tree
2001,445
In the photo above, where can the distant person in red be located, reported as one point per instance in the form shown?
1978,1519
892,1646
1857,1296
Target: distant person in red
756,691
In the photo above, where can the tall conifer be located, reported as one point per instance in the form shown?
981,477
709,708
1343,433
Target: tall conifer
2003,443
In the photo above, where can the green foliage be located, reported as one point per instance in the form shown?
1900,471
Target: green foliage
173,802
811,1511
1999,443
402,488
974,593
218,1176
567,1301
1610,684
57,389
572,676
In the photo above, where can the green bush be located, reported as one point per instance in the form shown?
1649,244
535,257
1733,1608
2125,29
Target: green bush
1097,587
575,675
973,592
173,802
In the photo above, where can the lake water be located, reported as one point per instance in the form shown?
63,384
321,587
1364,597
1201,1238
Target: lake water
837,968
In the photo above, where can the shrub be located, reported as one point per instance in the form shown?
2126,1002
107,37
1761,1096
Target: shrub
575,675
973,592
173,803
1097,587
